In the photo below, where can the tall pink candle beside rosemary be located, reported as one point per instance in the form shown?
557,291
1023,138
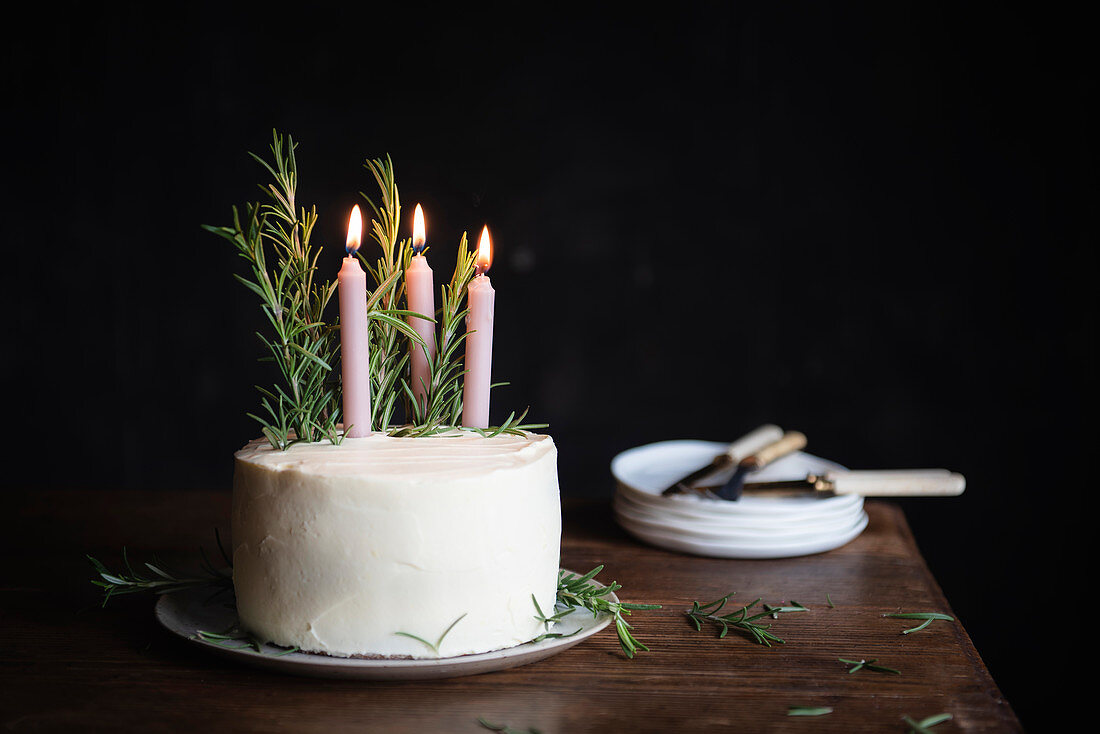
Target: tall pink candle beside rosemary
479,339
354,341
421,294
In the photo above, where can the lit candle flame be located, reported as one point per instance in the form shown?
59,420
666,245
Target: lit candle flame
484,253
418,230
355,230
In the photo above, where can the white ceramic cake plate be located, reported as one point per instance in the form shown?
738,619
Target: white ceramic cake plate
185,613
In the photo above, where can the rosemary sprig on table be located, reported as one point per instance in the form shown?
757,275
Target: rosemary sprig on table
924,725
809,710
578,591
869,665
505,729
739,620
304,406
928,617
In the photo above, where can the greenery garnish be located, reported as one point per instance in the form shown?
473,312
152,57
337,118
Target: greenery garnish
739,620
434,647
829,600
304,405
869,664
809,710
505,729
924,725
578,591
235,634
776,611
928,617
442,402
163,580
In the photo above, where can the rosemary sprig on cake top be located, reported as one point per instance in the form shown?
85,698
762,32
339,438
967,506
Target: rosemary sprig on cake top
304,405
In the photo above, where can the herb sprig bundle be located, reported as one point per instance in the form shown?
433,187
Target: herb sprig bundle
740,620
305,404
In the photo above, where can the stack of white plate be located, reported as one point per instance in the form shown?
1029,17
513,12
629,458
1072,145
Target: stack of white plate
751,527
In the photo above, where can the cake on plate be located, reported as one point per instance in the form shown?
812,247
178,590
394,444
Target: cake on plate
406,547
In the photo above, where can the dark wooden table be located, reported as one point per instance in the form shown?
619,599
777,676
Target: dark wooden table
69,665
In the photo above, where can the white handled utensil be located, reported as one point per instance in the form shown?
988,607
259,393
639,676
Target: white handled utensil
894,483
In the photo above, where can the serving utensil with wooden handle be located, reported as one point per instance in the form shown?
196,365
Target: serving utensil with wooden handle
790,442
745,446
866,483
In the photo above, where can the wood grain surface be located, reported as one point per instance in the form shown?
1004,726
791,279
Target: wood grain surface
69,665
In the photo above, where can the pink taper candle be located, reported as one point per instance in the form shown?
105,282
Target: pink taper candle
421,291
479,339
354,343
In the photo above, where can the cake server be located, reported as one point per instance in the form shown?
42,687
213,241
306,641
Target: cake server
747,445
790,442
866,483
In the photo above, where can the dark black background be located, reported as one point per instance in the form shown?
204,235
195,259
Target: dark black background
871,223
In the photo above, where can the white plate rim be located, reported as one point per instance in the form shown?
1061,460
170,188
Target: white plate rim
743,551
760,533
702,513
171,612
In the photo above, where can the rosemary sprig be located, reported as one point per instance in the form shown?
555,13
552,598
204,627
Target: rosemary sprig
505,729
388,360
776,611
304,405
235,634
739,620
924,725
442,404
928,617
578,591
434,647
163,580
869,665
809,710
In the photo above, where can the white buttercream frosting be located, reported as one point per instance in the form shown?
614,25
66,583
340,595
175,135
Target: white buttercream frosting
336,549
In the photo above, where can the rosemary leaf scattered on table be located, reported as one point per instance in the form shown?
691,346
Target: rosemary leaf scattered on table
928,618
739,620
809,710
505,729
925,725
578,591
869,665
